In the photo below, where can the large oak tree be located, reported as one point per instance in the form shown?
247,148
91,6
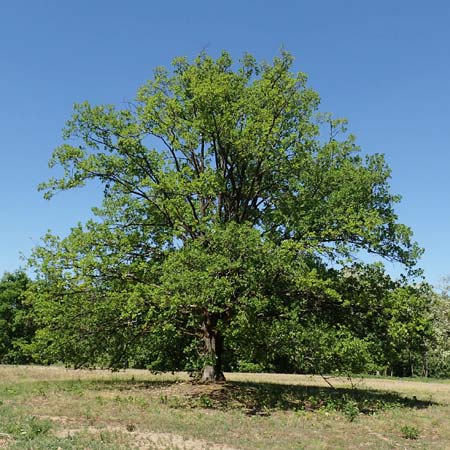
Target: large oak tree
226,198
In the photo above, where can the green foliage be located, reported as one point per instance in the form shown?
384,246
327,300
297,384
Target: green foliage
225,208
351,410
16,321
437,355
410,432
26,428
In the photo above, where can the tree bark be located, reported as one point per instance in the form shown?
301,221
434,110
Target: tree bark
213,350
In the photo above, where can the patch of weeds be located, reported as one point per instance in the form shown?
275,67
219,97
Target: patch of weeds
36,427
107,437
350,410
345,404
173,402
76,387
28,428
131,400
142,402
205,401
11,391
123,399
100,400
410,432
41,391
90,416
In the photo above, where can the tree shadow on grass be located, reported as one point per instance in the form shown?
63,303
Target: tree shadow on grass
262,396
259,398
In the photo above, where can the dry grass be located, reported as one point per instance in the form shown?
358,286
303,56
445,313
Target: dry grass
56,408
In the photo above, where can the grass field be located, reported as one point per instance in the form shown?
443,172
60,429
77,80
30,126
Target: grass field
51,408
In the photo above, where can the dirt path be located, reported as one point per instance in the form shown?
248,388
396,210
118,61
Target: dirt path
141,439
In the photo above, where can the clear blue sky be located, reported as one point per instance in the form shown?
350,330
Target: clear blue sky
385,65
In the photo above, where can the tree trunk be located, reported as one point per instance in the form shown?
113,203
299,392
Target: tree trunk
425,365
213,349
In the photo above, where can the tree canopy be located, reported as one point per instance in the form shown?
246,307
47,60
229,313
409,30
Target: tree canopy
231,211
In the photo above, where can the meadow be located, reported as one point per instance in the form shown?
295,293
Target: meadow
53,408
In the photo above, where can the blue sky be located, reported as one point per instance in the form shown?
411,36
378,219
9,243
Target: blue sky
384,65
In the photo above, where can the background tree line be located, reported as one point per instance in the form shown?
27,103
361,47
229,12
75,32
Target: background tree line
378,326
